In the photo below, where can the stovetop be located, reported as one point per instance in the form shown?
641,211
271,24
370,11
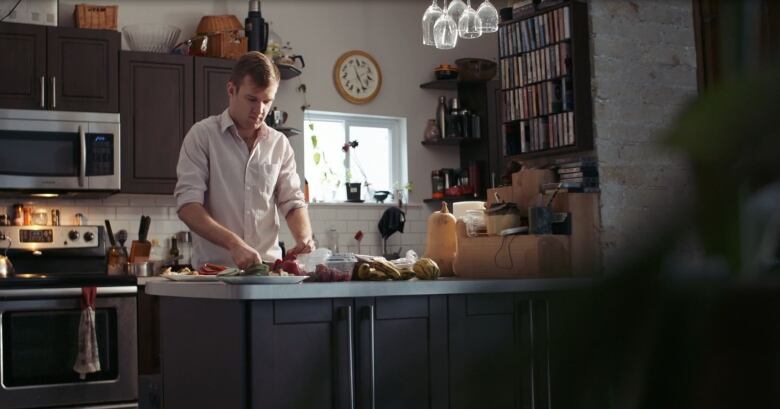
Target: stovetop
54,280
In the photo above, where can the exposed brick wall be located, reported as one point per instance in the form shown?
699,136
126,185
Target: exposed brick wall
644,70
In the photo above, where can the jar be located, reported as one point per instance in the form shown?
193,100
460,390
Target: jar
27,212
40,217
437,184
18,215
431,132
475,223
117,260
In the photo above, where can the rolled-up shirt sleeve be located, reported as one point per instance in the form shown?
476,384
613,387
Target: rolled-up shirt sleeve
288,185
192,169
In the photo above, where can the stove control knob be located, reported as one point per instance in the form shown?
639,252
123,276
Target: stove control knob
88,236
73,235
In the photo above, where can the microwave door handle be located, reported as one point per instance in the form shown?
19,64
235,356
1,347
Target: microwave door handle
53,92
83,161
43,91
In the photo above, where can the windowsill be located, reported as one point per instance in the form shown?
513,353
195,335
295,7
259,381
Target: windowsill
364,204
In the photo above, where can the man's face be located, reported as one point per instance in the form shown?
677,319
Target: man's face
249,104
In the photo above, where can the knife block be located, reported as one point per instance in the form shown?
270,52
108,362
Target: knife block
139,251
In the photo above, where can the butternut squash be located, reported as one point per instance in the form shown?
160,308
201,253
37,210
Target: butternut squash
441,242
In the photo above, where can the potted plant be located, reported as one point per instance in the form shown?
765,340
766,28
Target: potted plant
353,189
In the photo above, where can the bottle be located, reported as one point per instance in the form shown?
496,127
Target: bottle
474,178
441,116
453,120
174,253
437,185
256,29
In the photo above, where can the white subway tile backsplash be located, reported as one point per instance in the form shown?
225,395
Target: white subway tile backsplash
142,200
127,213
160,213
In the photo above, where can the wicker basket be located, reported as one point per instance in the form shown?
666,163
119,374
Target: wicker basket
225,36
95,17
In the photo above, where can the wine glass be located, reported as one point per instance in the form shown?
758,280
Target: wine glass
432,13
489,16
445,31
469,25
455,10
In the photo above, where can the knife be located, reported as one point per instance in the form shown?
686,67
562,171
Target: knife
110,234
146,221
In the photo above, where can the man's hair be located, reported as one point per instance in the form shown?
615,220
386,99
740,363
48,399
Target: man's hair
259,67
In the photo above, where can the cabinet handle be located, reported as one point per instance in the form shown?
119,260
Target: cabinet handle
53,92
370,309
350,336
43,91
83,156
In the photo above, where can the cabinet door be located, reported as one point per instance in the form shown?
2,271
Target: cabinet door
402,352
156,112
22,66
486,369
211,78
82,69
302,354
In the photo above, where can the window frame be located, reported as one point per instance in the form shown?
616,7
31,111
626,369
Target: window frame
396,127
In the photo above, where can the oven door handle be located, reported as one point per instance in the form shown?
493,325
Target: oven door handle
63,292
83,152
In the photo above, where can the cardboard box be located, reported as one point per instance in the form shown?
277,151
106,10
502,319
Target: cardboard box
504,192
525,185
511,256
585,230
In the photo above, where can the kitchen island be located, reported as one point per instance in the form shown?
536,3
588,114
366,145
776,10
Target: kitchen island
449,343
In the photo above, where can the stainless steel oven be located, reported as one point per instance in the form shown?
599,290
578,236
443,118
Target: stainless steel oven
59,152
40,311
39,343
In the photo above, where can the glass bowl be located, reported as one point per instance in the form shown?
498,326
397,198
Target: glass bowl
155,38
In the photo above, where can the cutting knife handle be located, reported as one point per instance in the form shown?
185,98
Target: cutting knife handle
110,233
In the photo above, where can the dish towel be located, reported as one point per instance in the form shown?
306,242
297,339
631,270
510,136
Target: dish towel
88,359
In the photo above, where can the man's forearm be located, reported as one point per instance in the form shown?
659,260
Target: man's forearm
195,216
299,224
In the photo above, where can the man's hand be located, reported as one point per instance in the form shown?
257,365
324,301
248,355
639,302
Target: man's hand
307,246
244,256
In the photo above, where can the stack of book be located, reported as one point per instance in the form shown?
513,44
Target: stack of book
581,175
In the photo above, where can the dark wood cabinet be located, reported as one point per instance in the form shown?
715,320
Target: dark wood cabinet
58,68
156,112
486,367
371,353
23,66
83,69
402,352
211,77
302,354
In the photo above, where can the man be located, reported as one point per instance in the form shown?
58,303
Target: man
235,172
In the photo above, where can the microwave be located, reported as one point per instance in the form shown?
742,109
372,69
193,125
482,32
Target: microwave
59,153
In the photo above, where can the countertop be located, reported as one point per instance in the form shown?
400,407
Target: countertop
224,291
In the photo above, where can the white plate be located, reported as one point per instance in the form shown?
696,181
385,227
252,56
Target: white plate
187,277
262,279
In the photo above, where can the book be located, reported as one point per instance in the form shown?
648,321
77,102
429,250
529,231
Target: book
586,181
572,190
587,170
566,185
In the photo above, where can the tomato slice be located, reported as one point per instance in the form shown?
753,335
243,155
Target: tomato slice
211,269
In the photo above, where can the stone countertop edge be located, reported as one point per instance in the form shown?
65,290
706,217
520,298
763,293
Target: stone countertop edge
357,289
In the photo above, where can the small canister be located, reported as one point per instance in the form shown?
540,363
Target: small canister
40,217
27,215
55,217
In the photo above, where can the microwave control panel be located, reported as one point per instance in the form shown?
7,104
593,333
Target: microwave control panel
100,154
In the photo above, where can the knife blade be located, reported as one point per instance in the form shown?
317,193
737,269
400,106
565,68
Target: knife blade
110,233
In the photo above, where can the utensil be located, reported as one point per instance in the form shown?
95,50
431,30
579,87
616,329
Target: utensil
141,248
110,233
6,267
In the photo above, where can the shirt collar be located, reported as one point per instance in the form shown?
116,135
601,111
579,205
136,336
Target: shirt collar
226,122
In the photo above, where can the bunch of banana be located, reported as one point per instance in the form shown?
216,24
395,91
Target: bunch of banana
379,269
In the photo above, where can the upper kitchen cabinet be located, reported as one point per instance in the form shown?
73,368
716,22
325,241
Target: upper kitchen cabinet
156,112
211,77
58,68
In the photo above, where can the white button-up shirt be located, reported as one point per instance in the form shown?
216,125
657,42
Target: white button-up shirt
240,189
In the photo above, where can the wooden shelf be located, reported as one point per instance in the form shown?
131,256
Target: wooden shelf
446,85
288,71
450,141
288,132
453,199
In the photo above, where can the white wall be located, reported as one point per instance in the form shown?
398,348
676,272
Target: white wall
323,30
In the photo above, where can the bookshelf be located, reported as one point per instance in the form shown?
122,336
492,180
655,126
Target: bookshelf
545,99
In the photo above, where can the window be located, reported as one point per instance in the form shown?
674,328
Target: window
379,158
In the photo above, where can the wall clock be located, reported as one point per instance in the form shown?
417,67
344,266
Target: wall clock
357,77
